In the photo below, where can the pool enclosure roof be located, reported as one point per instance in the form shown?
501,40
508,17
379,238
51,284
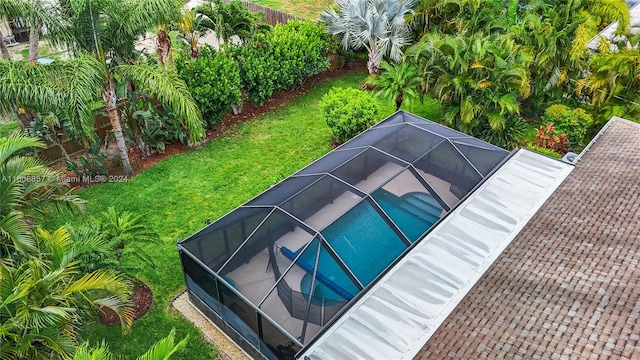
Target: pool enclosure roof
301,250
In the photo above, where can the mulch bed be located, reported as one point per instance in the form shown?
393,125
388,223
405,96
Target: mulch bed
142,298
250,111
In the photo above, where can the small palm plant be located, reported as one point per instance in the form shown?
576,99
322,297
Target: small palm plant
112,237
45,297
162,350
27,187
397,82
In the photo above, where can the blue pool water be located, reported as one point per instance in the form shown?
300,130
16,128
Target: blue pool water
366,243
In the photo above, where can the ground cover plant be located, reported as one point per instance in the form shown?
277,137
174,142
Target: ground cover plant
178,194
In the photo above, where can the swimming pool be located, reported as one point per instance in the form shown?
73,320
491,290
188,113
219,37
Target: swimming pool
366,243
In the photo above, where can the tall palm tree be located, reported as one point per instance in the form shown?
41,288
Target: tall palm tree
45,298
26,187
480,80
108,30
397,82
376,25
162,350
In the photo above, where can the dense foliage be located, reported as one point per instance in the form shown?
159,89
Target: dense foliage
282,59
348,112
572,122
479,79
548,138
214,81
613,82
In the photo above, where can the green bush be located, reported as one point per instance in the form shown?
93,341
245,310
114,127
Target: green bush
348,112
282,59
214,81
544,151
572,122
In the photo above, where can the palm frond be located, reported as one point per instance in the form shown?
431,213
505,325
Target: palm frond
165,348
68,87
172,91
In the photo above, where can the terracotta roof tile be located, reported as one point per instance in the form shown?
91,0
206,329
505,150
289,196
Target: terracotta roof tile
568,287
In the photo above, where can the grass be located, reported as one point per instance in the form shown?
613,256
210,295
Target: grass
8,128
303,8
178,194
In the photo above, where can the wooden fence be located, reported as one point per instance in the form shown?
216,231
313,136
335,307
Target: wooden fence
273,16
52,153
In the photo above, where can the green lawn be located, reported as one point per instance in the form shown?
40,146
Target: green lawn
8,128
303,8
180,193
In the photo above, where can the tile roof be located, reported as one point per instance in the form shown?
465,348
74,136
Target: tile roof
568,286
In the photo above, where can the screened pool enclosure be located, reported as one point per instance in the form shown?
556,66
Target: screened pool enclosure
273,272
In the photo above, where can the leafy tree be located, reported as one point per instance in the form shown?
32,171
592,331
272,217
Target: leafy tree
45,298
376,25
398,82
27,187
228,19
480,80
162,350
108,30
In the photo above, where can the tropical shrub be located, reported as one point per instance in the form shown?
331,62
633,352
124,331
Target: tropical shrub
27,187
572,122
90,165
348,112
282,59
213,80
46,297
397,82
480,81
511,136
113,241
164,349
549,138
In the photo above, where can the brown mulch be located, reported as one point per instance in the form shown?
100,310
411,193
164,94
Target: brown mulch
250,111
142,299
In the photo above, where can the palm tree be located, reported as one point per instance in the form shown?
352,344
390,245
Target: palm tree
398,82
377,25
45,298
107,30
228,19
162,350
480,80
190,32
613,83
37,13
27,187
557,32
